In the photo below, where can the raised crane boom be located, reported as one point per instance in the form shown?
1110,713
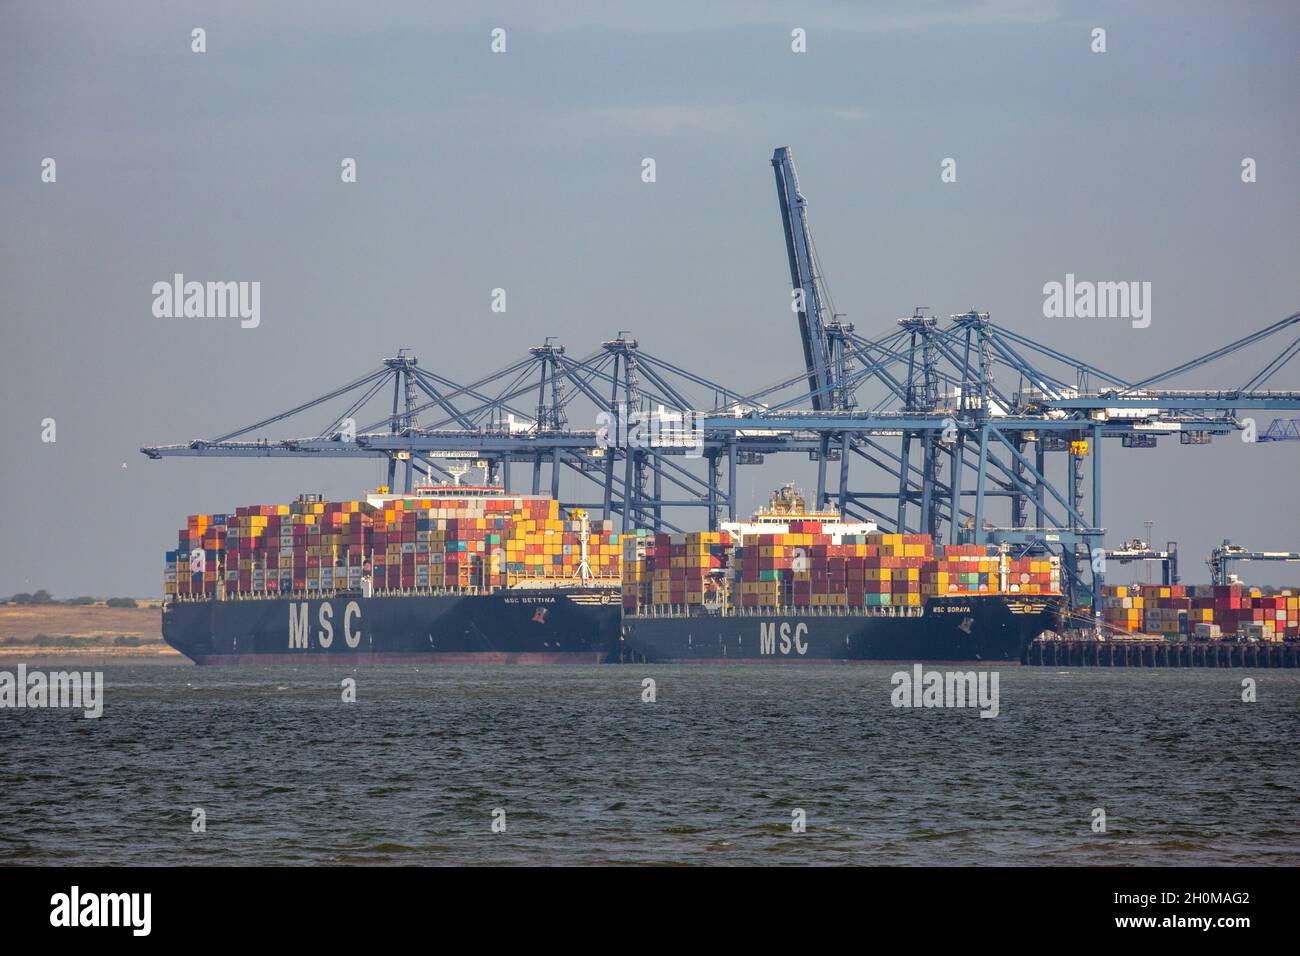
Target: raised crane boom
809,301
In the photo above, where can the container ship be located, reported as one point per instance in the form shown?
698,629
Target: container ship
450,574
792,586
462,574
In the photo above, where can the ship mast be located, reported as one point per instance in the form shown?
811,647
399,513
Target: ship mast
583,570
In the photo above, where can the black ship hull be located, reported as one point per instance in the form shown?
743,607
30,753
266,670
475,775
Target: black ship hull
976,629
541,626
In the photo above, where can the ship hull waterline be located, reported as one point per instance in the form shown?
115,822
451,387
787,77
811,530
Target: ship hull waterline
545,626
974,629
576,627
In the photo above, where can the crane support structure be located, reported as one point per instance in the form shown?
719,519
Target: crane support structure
1282,429
964,428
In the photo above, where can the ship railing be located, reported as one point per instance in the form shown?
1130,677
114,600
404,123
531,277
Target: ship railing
785,610
322,593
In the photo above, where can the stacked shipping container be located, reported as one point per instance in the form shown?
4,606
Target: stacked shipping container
878,570
663,569
1202,612
309,545
408,542
811,565
192,567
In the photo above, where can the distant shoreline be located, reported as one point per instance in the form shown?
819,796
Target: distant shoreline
58,630
29,652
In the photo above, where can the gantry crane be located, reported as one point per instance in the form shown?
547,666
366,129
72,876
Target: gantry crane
1227,552
961,428
1138,550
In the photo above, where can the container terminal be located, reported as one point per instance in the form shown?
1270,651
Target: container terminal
949,454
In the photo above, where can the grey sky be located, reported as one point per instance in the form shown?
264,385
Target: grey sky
522,171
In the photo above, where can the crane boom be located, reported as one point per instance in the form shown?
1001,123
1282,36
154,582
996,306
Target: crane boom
1141,551
809,300
1222,555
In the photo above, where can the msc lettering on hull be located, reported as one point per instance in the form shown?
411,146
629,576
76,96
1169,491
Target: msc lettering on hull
790,640
299,612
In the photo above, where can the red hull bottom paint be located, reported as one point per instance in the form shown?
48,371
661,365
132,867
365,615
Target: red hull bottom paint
764,661
451,657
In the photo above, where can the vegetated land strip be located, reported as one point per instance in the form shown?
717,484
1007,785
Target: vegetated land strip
57,628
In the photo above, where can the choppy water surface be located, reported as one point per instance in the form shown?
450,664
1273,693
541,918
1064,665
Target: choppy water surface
587,773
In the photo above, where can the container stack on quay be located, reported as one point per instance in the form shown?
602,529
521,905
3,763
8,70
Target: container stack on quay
1201,612
406,542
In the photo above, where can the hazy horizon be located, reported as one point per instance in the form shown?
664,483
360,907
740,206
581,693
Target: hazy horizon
522,171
